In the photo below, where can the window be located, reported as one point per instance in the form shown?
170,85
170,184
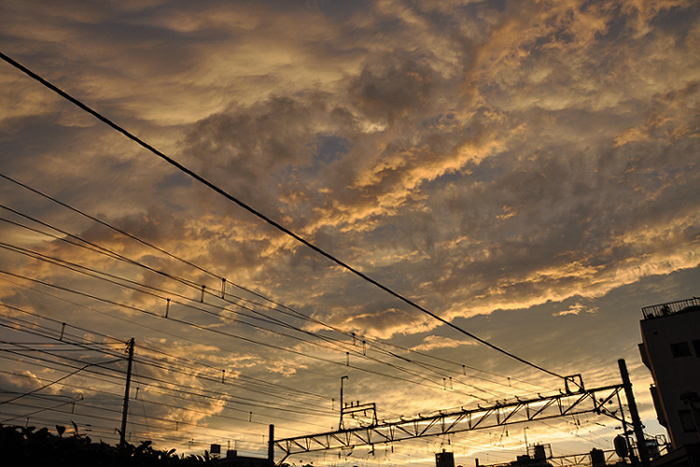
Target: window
696,346
686,421
680,349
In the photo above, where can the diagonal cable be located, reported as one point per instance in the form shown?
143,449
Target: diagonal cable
262,216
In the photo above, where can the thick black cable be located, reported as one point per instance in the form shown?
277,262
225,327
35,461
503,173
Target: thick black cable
261,216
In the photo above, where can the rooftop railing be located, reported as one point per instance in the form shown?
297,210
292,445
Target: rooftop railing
670,308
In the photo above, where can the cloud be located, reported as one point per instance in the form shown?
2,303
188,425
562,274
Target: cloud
502,164
392,91
437,342
382,322
24,380
542,168
522,154
576,309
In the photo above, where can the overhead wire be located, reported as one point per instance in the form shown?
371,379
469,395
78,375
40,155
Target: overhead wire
218,396
177,393
99,249
61,357
277,386
197,307
212,330
265,218
249,402
121,257
110,316
233,399
150,290
394,355
192,284
63,324
108,277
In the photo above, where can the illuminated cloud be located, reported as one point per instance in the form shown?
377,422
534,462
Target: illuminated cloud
438,342
527,170
576,309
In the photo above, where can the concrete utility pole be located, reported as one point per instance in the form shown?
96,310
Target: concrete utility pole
122,435
636,421
340,425
271,445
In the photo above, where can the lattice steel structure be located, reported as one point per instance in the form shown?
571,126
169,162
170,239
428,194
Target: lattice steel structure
604,401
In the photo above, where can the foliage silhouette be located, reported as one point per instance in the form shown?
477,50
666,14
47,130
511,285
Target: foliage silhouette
23,446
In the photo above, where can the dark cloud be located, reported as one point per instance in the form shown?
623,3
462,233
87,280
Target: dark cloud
393,89
249,151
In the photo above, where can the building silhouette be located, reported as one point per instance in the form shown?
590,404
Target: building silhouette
670,348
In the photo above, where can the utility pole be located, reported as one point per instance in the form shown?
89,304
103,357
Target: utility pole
271,445
340,426
130,349
636,421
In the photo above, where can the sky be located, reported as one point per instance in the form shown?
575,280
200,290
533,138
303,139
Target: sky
527,171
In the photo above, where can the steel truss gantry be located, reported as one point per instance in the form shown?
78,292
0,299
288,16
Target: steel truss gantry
604,401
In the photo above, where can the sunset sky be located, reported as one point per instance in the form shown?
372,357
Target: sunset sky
526,170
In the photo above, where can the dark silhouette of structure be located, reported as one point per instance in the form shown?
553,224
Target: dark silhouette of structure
670,348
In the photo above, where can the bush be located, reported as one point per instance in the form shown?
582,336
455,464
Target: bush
20,446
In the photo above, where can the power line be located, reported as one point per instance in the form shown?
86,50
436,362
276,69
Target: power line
189,283
176,392
109,226
112,278
64,263
173,369
214,330
171,255
53,382
99,249
278,408
140,284
263,217
158,365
